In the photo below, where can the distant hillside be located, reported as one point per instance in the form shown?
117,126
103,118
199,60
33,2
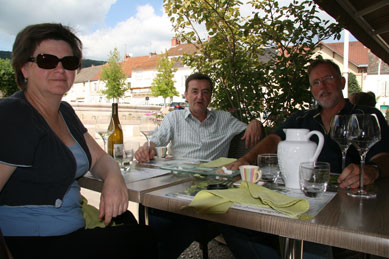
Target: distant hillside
90,62
5,54
85,62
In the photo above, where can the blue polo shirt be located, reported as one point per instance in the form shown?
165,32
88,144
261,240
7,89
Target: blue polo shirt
331,152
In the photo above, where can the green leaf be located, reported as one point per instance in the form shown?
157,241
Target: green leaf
257,63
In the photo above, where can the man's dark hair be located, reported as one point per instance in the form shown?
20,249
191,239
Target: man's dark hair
321,61
198,76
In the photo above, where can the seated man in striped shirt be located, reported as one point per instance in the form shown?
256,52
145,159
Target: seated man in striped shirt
198,132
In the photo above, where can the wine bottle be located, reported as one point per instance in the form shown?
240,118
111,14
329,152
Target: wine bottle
115,140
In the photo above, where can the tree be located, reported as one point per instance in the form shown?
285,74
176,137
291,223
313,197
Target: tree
258,63
8,84
114,77
163,83
353,85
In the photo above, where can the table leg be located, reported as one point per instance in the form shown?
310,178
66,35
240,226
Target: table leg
292,248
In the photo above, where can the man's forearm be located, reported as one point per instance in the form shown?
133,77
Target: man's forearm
382,161
267,145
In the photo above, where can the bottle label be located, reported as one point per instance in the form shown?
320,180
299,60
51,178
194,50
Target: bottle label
118,151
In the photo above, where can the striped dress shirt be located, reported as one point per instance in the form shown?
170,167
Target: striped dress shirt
190,138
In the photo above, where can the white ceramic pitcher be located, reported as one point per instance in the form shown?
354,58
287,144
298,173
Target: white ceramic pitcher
297,148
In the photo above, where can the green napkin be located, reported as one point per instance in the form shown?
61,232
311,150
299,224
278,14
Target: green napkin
222,161
219,201
91,215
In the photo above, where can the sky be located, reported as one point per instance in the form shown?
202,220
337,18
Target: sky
134,27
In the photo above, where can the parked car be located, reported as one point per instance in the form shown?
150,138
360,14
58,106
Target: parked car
178,105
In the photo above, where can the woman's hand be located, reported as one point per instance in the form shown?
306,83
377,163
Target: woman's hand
114,195
114,198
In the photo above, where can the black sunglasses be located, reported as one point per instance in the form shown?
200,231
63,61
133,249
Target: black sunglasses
47,61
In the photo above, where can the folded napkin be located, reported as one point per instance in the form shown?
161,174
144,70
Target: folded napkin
222,161
219,201
91,215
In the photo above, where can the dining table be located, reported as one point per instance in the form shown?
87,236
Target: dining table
137,189
351,223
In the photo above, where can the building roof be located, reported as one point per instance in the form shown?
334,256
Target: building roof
88,74
179,50
146,62
358,53
367,20
138,63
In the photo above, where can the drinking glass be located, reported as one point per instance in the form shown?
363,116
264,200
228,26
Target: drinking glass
126,162
104,132
314,177
148,124
268,163
364,132
339,133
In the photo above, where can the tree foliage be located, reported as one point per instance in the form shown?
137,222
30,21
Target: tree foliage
258,62
353,85
8,84
163,83
114,77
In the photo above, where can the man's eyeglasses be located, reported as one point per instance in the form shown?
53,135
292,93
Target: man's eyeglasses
325,80
47,61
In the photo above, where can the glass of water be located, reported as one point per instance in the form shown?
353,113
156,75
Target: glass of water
268,163
314,177
128,156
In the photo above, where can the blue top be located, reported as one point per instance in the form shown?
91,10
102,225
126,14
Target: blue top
48,220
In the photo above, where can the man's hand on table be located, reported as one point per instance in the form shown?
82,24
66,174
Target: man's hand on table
253,133
144,154
235,165
351,175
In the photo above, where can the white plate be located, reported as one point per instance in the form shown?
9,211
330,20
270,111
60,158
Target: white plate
237,184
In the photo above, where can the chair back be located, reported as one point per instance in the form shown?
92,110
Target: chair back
237,147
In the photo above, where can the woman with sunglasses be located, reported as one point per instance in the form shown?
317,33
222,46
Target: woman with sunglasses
44,149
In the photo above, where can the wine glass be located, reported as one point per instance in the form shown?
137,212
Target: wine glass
339,133
148,124
104,131
364,132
